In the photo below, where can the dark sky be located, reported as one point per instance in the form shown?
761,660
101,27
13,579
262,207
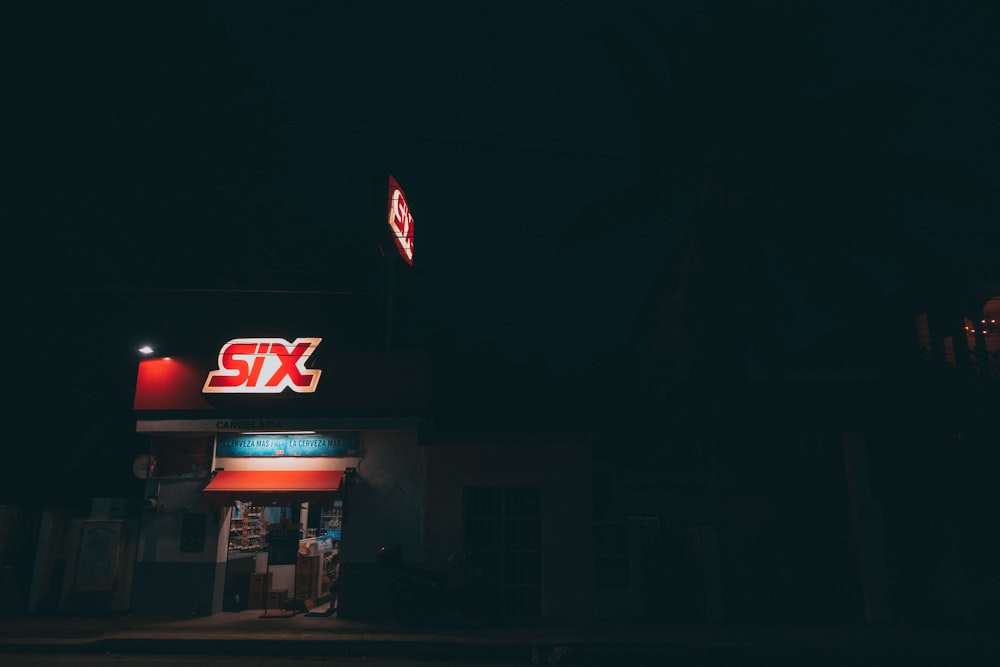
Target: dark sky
501,120
148,142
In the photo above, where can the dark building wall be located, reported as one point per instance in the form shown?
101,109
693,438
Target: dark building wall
175,589
562,473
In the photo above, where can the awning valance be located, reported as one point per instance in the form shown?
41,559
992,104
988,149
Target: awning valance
274,487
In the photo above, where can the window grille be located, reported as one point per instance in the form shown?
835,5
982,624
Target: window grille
502,527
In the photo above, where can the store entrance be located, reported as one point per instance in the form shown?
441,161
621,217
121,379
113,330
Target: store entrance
283,557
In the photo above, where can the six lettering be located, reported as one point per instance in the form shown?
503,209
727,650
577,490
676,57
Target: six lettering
264,366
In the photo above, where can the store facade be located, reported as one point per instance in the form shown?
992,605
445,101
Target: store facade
278,464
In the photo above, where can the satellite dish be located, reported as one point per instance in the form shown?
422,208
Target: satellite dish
141,466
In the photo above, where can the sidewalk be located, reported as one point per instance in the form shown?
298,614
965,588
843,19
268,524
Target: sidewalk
245,633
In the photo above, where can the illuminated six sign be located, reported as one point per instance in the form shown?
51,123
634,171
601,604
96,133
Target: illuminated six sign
400,221
264,366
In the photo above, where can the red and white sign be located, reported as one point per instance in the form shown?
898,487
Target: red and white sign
400,221
264,366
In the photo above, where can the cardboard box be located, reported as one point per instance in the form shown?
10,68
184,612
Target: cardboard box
255,601
307,564
260,582
306,581
276,598
308,592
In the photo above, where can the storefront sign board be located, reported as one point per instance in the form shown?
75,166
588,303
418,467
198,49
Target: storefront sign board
345,443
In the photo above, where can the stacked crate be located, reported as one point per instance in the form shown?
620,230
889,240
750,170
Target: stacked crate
276,598
260,585
307,577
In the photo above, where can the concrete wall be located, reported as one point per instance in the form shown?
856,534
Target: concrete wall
51,558
99,566
384,505
167,579
177,589
161,528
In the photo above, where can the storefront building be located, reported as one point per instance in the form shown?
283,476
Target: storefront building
278,464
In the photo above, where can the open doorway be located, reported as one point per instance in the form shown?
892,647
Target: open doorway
278,554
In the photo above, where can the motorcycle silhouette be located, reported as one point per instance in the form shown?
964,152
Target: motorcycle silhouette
462,592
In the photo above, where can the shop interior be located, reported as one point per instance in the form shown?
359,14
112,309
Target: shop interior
283,558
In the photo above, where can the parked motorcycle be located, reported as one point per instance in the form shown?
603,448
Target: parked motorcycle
463,591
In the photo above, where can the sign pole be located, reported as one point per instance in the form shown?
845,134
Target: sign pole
394,222
389,299
267,576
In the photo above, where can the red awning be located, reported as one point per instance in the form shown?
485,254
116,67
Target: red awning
274,487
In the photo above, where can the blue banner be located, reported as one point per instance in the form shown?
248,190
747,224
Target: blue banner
344,443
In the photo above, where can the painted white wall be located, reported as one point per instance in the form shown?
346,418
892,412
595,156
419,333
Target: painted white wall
282,577
287,462
160,536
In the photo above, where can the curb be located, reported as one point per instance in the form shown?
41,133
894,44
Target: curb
562,653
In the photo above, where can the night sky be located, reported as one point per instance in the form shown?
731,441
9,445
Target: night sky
168,164
165,145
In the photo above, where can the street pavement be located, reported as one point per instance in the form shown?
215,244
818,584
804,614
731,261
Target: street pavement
596,642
